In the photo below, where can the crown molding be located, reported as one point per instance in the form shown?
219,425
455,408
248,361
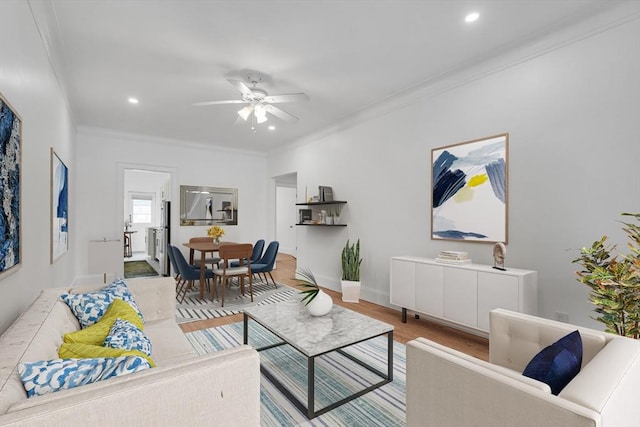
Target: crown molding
133,137
564,33
49,32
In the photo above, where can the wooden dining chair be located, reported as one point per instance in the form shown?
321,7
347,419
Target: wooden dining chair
228,254
214,261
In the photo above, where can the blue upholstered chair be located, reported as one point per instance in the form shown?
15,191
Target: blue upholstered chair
173,262
188,273
255,255
266,263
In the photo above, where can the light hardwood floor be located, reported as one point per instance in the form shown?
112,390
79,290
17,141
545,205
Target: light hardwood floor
403,332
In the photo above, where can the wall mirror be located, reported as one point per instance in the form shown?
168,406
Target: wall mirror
208,205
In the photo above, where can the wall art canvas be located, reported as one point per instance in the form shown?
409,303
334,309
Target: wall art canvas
469,190
59,207
10,188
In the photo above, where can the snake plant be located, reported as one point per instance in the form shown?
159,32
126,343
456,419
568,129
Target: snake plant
351,261
614,282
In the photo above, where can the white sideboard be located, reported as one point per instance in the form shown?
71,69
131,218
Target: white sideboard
460,294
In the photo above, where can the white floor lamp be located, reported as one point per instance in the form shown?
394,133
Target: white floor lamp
105,256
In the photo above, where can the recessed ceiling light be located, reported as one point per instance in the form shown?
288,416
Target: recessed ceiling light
133,100
272,127
472,17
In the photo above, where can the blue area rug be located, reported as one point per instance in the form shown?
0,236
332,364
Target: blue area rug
336,377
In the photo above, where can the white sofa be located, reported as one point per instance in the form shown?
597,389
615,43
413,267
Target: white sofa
448,388
217,389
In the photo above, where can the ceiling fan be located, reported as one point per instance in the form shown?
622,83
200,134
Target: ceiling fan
259,102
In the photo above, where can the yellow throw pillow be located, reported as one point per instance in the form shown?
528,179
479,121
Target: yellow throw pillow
83,351
96,333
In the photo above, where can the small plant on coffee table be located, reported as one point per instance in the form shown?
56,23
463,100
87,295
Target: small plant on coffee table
308,285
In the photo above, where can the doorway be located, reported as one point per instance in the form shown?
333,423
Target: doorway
145,195
286,196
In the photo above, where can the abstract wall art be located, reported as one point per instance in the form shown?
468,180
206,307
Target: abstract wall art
469,190
59,207
10,189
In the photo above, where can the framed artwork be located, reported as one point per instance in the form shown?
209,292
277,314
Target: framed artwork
11,189
469,190
59,207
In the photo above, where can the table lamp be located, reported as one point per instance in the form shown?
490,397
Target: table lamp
105,256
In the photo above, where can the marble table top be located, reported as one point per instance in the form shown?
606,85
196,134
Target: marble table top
311,335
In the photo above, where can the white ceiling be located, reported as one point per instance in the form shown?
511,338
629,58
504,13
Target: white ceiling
346,55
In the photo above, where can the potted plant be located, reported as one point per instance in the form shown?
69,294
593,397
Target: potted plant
317,302
351,272
329,219
614,280
336,216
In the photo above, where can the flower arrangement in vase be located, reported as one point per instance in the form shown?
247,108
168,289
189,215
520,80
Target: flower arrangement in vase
216,232
317,302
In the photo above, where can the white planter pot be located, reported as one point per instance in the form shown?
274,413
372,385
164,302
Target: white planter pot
350,291
320,305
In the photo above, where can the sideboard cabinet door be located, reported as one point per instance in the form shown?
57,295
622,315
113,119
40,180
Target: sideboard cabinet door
402,290
429,294
496,291
461,296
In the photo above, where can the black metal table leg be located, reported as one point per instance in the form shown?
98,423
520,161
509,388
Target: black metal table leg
390,355
245,328
311,389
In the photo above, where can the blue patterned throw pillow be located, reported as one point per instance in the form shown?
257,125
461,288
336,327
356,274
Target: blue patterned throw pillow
90,307
47,376
119,289
557,364
126,336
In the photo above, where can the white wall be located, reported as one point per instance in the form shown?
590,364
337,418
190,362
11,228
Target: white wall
30,86
571,105
103,156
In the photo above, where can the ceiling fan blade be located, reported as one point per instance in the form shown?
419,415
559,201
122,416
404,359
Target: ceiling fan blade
286,97
280,113
230,101
241,86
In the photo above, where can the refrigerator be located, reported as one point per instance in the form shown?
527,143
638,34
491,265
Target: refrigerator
163,238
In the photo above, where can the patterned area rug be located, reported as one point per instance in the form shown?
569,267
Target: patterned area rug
138,269
193,308
335,376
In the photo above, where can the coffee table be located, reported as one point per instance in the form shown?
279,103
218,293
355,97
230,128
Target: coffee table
314,337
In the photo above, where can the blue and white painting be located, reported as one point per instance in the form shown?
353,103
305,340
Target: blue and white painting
10,149
59,207
469,190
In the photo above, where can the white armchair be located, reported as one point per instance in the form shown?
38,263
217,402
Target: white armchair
448,388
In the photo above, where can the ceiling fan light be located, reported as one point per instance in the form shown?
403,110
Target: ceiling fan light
245,112
260,113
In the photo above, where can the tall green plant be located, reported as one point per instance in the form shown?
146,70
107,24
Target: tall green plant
351,262
614,281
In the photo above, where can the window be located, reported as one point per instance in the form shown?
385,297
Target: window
141,209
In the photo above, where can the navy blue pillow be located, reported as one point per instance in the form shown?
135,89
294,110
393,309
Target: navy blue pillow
557,364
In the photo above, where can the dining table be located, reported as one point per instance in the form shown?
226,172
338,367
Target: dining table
204,248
